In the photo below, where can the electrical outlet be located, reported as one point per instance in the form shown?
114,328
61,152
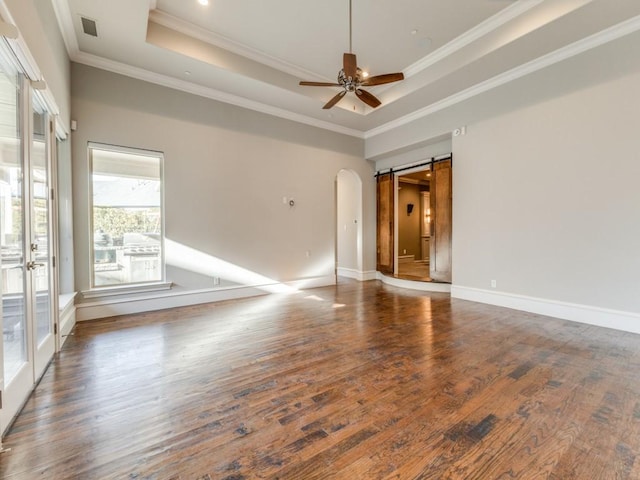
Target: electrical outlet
216,280
494,284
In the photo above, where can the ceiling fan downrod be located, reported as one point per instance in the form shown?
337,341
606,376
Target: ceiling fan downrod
351,77
350,30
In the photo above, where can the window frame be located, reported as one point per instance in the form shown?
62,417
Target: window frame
131,287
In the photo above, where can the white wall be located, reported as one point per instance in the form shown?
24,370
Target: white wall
226,170
349,201
546,199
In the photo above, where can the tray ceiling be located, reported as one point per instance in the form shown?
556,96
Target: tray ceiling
253,54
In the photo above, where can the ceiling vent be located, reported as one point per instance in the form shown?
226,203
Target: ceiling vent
89,26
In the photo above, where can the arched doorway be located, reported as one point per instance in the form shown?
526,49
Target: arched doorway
349,231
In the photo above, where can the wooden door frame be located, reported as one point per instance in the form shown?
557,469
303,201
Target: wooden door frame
441,221
396,227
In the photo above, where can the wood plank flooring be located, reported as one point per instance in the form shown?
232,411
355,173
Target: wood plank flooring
357,381
417,271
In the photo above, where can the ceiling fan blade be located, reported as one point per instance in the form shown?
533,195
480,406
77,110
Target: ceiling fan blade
382,79
350,65
367,98
335,100
320,84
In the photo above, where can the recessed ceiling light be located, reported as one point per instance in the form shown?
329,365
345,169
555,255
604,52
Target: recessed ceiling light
187,73
414,31
203,2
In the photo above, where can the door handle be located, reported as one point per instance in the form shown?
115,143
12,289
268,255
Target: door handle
33,265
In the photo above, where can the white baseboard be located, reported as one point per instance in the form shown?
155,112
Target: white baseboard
357,274
601,317
406,258
414,285
124,306
67,315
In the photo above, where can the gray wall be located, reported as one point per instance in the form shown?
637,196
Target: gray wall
545,180
226,171
595,66
546,199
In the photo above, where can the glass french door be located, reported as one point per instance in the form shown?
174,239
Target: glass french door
28,340
39,265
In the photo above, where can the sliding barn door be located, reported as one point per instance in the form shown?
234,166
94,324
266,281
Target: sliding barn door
441,222
385,246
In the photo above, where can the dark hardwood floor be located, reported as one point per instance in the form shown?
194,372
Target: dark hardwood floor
358,381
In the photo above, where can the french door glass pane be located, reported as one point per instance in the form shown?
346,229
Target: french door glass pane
40,221
12,227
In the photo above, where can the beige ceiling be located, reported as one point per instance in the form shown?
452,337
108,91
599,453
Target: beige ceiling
253,53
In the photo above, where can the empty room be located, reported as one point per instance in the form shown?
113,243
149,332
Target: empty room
342,240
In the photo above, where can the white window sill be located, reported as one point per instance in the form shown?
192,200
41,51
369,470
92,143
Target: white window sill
66,299
126,290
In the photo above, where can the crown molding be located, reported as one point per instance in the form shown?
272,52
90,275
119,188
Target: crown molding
65,22
170,82
492,23
571,50
194,31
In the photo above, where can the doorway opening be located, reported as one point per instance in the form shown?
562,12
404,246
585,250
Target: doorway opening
349,232
414,221
414,225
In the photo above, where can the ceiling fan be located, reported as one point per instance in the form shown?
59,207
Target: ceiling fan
351,78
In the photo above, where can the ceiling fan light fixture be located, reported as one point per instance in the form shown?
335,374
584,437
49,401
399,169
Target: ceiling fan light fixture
351,78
